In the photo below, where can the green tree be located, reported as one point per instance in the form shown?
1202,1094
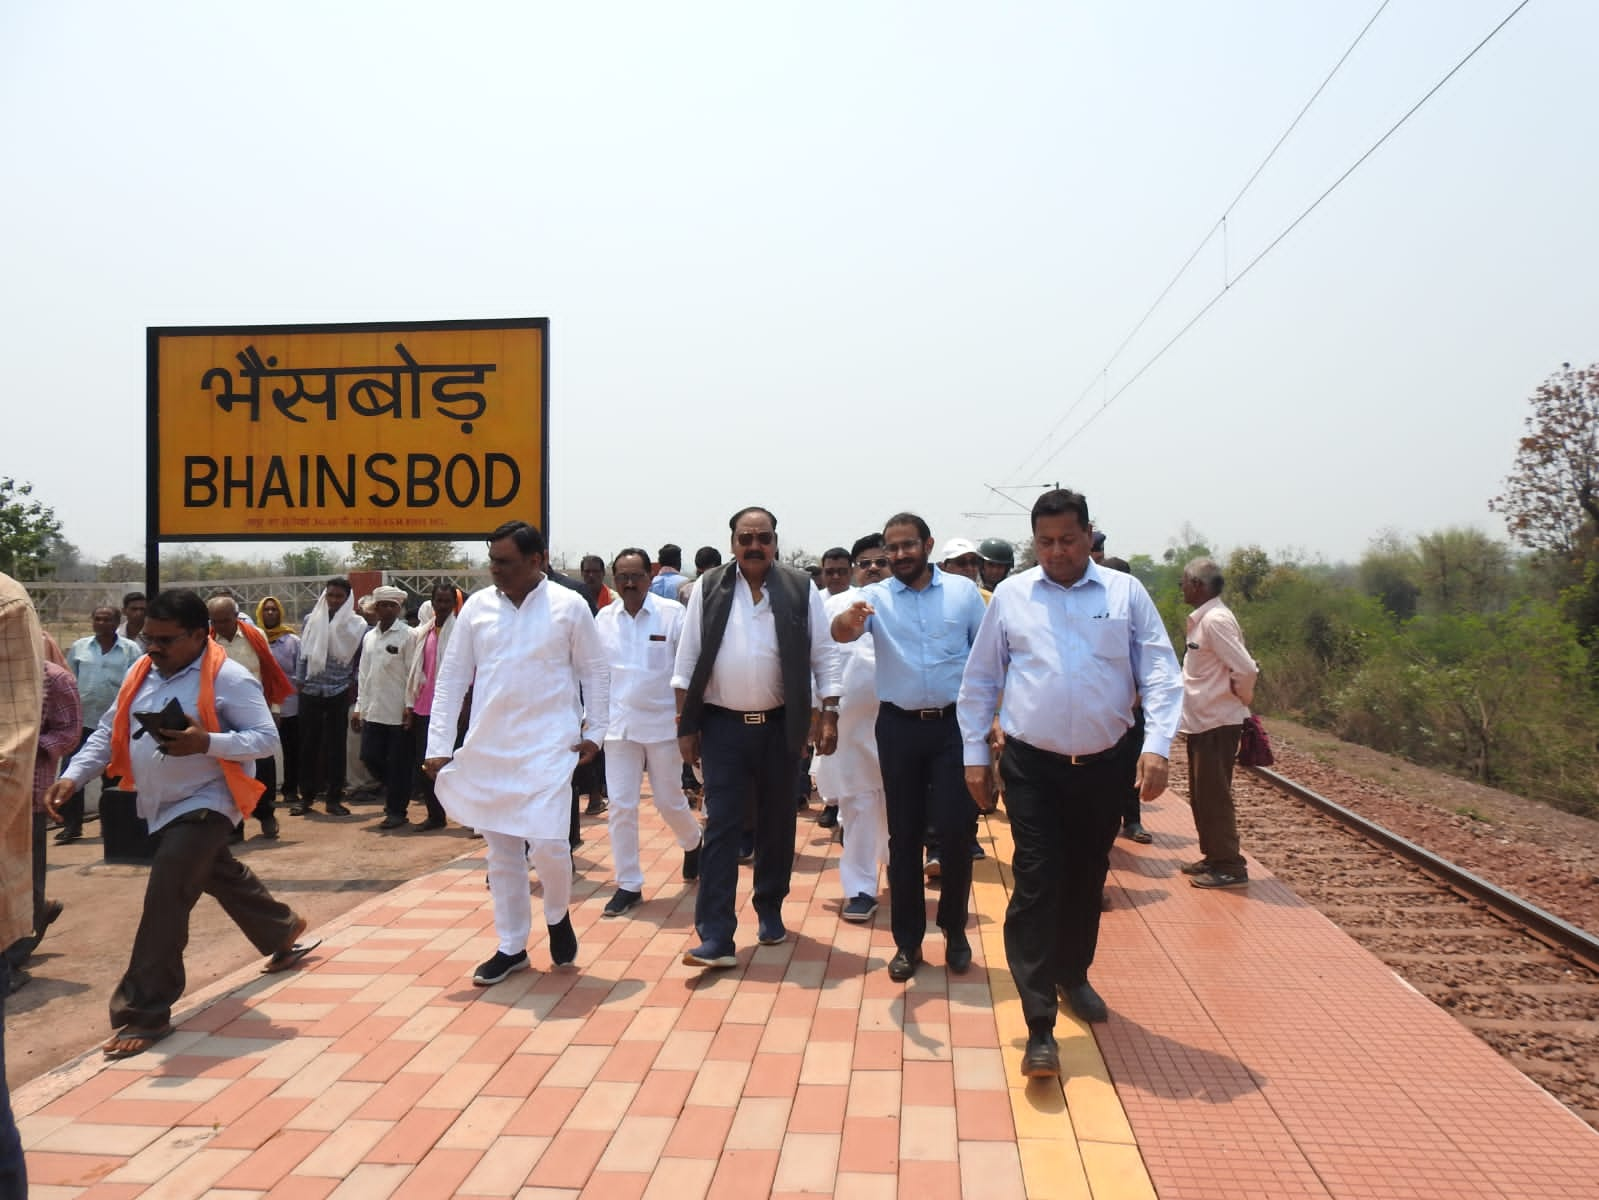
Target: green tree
30,534
401,555
1247,569
313,560
1463,570
122,568
1391,571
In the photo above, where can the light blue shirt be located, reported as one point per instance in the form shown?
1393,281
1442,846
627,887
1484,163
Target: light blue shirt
666,584
921,638
99,673
169,787
1070,661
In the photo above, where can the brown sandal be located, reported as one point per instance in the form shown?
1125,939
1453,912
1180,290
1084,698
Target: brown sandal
125,1043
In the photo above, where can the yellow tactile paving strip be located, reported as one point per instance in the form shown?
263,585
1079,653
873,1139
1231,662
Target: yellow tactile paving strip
1074,1137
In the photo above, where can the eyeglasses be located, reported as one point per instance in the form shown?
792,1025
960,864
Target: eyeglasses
867,563
765,537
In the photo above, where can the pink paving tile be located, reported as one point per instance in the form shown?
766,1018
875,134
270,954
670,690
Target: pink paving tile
973,1029
615,1185
275,1159
984,1116
341,1020
774,1075
519,1075
570,1159
475,1018
818,1108
744,1173
929,1083
795,1001
413,1136
600,1029
700,1132
736,1042
835,1024
702,1012
871,1144
254,1128
70,1170
140,1112
379,1063
662,1093
495,1046
440,1173
215,1016
303,1187
544,1112
879,1050
236,1101
194,1066
629,1062
89,1093
367,1035
396,1097
931,1181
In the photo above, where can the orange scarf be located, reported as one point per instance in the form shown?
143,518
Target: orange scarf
274,683
244,790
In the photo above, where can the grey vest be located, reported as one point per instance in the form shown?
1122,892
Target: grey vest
790,593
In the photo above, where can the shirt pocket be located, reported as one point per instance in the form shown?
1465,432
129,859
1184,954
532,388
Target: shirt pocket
1107,638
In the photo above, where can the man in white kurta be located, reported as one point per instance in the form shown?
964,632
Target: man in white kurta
850,777
540,699
640,632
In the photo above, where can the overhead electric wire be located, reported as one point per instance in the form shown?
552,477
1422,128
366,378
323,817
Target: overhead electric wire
1291,226
1220,224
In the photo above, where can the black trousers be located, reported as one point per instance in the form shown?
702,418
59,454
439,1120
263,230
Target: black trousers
1132,745
419,749
1063,820
386,751
72,810
191,858
924,785
740,762
324,721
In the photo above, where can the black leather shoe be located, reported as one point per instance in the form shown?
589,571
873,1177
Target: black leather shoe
691,863
300,809
269,828
903,965
1085,1002
1041,1059
829,817
337,809
957,952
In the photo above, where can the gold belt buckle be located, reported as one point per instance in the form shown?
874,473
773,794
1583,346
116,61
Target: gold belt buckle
755,718
930,714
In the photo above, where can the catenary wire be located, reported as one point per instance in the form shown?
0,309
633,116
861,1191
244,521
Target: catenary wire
1220,224
1291,226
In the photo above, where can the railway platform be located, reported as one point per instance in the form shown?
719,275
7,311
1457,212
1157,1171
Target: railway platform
1253,1050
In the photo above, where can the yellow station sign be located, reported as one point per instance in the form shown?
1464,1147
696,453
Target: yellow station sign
422,430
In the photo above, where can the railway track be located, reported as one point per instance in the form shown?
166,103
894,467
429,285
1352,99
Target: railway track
1521,979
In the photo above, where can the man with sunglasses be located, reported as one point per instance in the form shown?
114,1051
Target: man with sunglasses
923,623
754,638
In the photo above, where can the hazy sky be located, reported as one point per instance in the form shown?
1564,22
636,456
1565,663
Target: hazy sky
837,259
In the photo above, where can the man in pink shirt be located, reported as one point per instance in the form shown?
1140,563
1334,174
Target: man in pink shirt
431,638
1218,684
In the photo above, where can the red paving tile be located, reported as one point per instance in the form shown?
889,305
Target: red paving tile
1254,1051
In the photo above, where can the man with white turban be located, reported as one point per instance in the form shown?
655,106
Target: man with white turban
329,646
540,705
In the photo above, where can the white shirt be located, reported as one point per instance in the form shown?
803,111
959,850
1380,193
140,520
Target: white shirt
852,769
640,650
747,675
1071,661
385,668
1218,673
541,687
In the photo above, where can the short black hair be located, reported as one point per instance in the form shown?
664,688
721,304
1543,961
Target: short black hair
629,552
707,557
583,564
527,537
732,522
838,552
907,518
1058,502
339,581
671,555
129,597
110,608
872,541
182,605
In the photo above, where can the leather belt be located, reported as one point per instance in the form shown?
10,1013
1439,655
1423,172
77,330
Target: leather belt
1071,760
923,714
751,718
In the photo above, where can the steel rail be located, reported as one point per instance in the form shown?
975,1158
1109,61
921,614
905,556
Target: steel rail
1543,925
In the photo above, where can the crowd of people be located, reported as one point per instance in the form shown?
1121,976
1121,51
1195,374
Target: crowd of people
914,691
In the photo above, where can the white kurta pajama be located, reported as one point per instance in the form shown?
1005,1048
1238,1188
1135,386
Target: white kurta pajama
850,777
511,779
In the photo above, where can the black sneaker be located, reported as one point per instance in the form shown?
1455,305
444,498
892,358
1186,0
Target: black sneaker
336,809
622,902
1199,866
691,863
860,908
596,806
269,828
829,817
563,942
499,968
1216,880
